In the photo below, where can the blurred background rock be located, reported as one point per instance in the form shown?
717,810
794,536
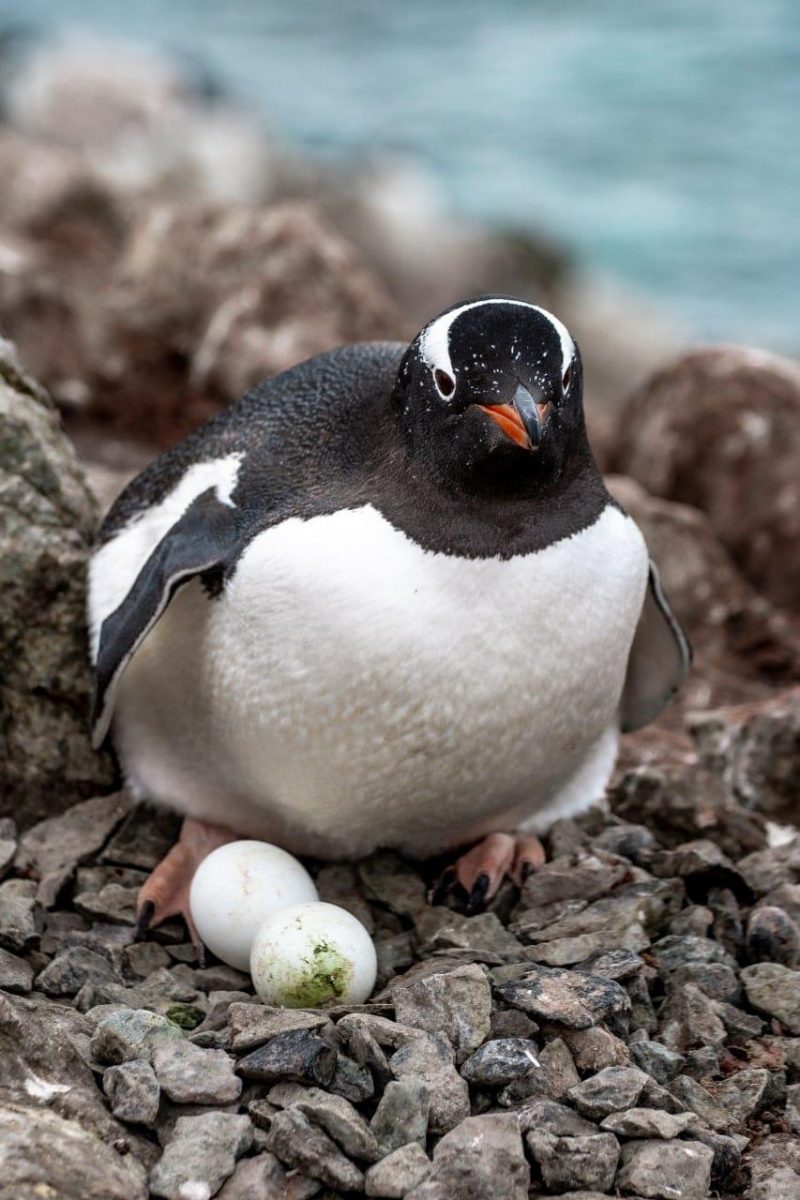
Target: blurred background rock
197,196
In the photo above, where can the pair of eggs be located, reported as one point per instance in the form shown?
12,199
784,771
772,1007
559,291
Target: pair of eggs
256,907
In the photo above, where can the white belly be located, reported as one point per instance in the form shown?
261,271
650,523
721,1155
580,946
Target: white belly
351,690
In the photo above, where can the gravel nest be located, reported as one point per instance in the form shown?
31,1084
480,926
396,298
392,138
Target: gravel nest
628,1024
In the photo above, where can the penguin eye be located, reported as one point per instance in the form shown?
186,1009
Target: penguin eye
567,379
445,384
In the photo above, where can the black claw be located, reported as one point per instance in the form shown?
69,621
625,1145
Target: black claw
146,914
477,896
441,886
527,871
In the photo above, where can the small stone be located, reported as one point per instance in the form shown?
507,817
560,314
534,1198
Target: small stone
666,1170
334,1114
702,1063
200,1155
455,1003
484,936
596,1048
251,1025
692,1095
568,997
689,1018
133,1092
71,969
774,989
191,1075
487,1152
144,838
715,980
695,921
299,1144
774,1168
390,880
749,1091
657,1060
772,936
650,1123
673,952
402,1114
549,1117
263,1178
142,958
554,1077
727,1155
584,876
429,1059
609,1091
15,974
352,1081
586,1161
793,1107
130,1033
499,1062
298,1056
21,917
398,1173
511,1023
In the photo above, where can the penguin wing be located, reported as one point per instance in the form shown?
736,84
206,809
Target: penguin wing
203,538
659,660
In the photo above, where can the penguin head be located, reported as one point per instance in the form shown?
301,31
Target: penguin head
492,390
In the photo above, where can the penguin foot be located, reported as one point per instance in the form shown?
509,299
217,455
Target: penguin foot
482,869
166,892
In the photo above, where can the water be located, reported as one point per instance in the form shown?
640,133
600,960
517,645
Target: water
659,140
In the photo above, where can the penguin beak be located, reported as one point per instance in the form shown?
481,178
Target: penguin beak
524,421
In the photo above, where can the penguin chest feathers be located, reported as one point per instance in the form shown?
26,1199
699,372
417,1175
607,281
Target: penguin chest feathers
350,689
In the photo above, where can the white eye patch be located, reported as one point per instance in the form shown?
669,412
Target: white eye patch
435,339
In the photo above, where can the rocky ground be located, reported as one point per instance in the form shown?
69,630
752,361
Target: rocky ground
628,1024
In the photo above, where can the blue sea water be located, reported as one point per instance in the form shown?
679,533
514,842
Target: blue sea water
659,139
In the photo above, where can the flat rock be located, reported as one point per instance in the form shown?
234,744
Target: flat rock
608,1091
650,1123
500,1061
584,876
693,1096
334,1114
298,1143
298,1056
567,997
133,1092
130,1033
392,881
483,936
190,1075
666,1170
72,968
555,1075
457,1003
482,1156
549,1117
775,990
398,1173
251,1025
402,1114
200,1155
44,1154
773,936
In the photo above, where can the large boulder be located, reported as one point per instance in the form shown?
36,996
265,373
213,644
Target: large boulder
209,300
719,429
46,521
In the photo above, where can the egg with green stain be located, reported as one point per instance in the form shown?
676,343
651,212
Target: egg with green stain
236,888
313,954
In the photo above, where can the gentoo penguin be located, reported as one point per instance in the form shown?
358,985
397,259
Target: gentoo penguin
385,600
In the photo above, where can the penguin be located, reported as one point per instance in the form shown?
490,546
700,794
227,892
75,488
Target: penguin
384,600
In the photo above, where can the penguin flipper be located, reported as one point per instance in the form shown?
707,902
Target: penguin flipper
659,660
202,539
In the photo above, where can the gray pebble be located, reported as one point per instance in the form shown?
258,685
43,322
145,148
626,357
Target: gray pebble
133,1092
396,1174
501,1061
665,1170
16,974
609,1091
299,1056
200,1155
298,1143
402,1114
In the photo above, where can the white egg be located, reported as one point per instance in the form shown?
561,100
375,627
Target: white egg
236,888
310,953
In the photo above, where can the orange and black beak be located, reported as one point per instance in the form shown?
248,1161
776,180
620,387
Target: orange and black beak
524,420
